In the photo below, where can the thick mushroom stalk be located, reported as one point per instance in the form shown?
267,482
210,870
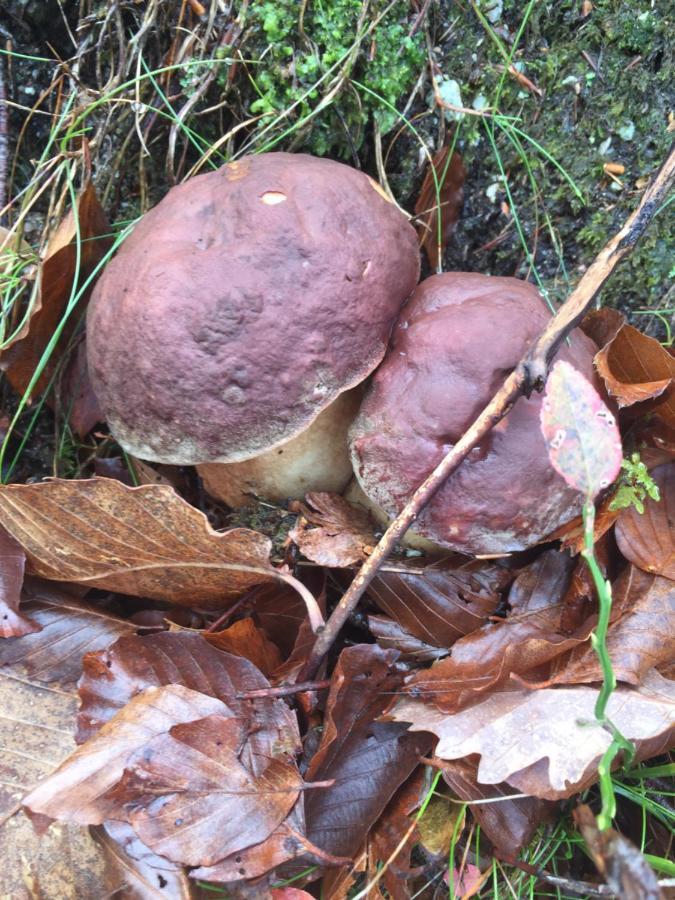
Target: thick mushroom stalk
456,341
242,308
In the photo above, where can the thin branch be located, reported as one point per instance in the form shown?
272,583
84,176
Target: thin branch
529,374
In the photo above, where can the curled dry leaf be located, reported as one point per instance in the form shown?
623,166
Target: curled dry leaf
143,541
367,759
190,798
450,176
59,278
635,368
648,540
36,734
581,434
244,639
442,602
392,636
546,743
69,628
78,790
12,564
332,532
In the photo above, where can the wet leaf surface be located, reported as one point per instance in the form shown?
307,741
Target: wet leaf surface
391,636
143,541
69,629
368,759
648,540
546,742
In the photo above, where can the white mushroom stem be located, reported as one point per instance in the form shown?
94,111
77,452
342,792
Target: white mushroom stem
315,460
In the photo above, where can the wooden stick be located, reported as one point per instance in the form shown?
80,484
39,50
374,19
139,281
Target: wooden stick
529,374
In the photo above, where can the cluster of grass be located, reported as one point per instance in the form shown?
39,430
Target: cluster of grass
347,78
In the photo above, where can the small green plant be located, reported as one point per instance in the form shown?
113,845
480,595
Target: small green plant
634,486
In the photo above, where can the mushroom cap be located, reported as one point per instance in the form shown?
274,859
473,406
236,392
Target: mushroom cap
457,339
243,304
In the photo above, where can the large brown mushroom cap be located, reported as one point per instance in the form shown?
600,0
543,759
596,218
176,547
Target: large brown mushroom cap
457,339
243,304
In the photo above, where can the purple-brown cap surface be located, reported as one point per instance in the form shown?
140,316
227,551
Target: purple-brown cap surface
243,304
457,339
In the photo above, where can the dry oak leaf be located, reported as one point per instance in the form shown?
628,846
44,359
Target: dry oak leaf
333,532
69,629
648,540
189,797
546,742
66,266
144,541
13,624
78,791
635,368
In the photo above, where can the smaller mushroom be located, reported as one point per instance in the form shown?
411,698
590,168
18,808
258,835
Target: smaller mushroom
456,340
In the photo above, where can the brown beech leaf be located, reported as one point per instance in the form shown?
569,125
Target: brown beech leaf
620,863
244,639
36,734
648,540
367,759
69,629
114,676
192,800
642,637
332,532
451,179
13,623
635,368
78,790
509,824
133,871
77,394
442,602
392,636
528,639
144,541
546,743
59,277
280,612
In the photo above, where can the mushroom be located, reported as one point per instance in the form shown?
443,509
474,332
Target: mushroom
235,323
456,340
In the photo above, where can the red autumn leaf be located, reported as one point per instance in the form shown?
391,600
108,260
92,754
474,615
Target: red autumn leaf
367,759
584,444
189,797
69,629
78,791
648,540
447,203
442,602
12,563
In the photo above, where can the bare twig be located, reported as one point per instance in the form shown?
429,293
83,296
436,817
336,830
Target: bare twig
529,374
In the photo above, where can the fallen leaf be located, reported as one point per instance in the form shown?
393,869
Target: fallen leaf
189,797
648,540
332,532
132,870
143,541
367,759
12,564
77,791
509,824
280,612
442,602
620,863
244,639
527,640
545,743
77,394
59,278
391,636
36,734
447,203
583,440
69,629
640,638
635,368
289,893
